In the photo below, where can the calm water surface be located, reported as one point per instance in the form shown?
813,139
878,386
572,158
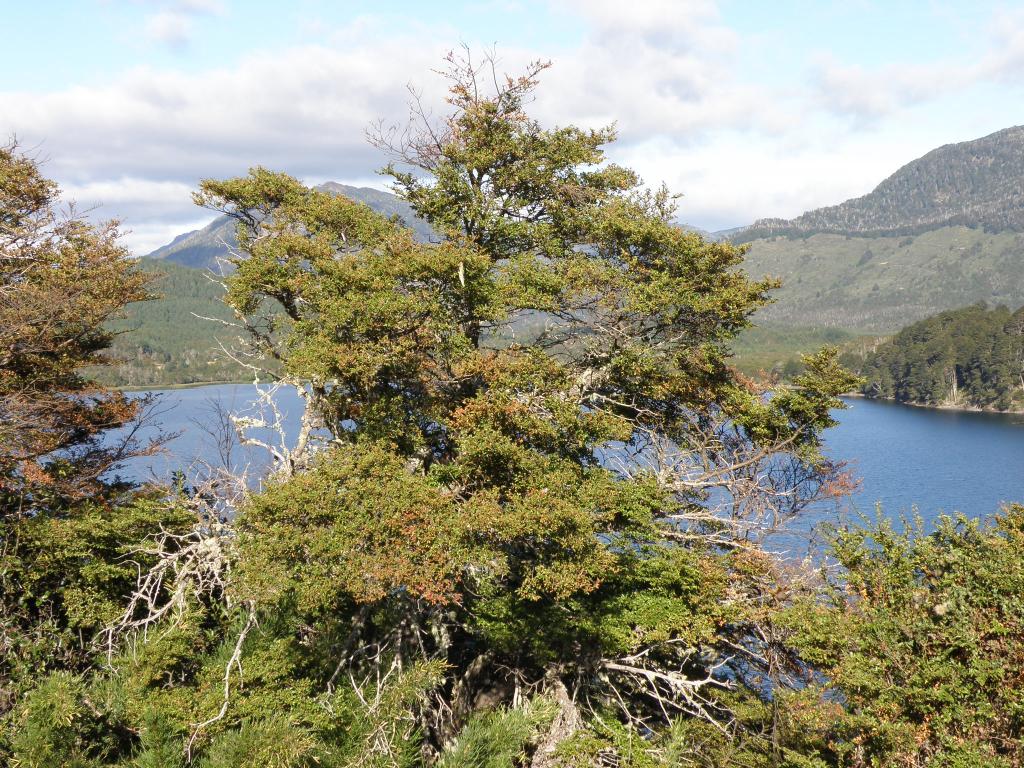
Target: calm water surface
936,460
932,460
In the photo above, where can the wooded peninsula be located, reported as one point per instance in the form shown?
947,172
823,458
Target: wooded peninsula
966,358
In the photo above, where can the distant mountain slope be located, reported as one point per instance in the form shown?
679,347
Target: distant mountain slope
944,231
170,340
880,284
977,183
202,247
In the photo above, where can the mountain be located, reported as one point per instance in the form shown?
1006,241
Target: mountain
977,184
202,248
944,231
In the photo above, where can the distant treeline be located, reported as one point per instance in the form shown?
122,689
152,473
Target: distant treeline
971,357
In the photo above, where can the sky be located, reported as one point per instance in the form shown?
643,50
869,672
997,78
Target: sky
748,109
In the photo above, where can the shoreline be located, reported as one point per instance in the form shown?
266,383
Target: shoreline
860,395
190,385
956,408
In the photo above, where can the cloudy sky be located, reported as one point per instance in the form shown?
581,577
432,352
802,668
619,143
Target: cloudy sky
747,108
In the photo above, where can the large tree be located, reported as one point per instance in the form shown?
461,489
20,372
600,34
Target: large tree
61,280
537,467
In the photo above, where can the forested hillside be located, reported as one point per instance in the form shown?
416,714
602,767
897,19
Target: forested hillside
944,231
175,338
970,357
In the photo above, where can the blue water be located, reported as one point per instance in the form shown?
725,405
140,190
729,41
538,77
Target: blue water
934,460
906,458
191,415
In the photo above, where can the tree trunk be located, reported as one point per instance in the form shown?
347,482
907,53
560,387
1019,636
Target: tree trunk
565,724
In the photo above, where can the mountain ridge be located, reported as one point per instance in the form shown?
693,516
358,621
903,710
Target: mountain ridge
943,231
977,183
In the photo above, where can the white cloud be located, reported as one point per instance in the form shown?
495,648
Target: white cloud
142,141
659,67
1005,59
173,24
733,178
867,95
201,6
134,197
666,72
169,27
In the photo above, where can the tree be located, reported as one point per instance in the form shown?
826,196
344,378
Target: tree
61,280
574,513
65,525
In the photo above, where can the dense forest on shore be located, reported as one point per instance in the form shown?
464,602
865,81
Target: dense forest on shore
970,358
443,568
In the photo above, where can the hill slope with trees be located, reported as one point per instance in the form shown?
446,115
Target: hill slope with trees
877,285
978,184
176,337
944,231
971,357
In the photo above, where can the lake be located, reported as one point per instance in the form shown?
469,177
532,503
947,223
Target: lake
936,460
905,457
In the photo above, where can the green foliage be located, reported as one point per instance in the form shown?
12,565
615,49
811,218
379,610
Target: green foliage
500,738
209,248
274,743
355,527
924,641
55,729
64,578
967,357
